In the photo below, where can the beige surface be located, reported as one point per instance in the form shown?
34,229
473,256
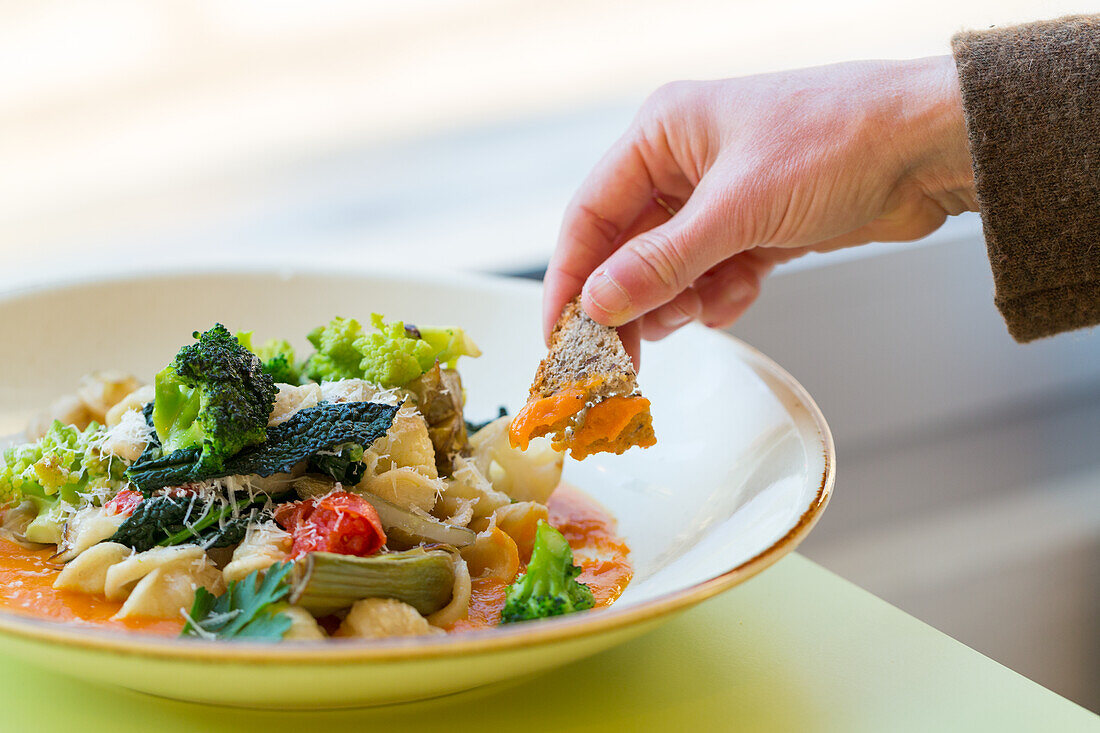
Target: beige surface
121,113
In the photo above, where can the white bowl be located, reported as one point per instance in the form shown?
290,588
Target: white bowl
742,469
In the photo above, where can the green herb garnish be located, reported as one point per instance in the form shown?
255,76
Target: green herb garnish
247,610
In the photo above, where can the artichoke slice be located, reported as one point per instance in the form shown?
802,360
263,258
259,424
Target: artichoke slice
324,582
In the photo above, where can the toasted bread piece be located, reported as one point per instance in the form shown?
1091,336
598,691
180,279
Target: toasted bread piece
585,395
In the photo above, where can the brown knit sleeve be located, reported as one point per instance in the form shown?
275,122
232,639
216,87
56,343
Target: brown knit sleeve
1031,98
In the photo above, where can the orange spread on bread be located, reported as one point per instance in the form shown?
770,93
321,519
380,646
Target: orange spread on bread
606,421
542,415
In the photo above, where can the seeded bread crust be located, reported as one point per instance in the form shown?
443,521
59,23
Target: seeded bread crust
584,352
585,355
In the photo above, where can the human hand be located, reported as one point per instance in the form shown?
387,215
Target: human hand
717,182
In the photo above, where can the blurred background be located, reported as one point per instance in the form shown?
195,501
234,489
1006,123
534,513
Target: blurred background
454,131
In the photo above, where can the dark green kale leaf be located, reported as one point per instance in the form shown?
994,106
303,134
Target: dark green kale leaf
173,520
247,610
309,432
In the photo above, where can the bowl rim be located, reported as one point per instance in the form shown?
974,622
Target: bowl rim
538,633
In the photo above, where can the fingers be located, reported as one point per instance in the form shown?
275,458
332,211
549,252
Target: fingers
717,299
617,196
680,311
654,267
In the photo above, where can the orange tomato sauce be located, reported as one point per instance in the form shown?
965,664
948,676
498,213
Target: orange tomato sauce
27,576
26,587
603,557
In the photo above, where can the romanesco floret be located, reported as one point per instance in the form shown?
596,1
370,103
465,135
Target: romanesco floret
392,356
61,464
336,357
276,358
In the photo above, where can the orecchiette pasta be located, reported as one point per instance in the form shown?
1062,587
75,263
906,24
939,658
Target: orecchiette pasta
459,606
133,401
122,577
291,399
406,445
520,522
261,548
406,487
303,627
100,391
127,438
530,475
492,555
468,491
360,390
167,591
88,572
376,618
86,528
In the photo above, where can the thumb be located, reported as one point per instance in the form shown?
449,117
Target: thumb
654,267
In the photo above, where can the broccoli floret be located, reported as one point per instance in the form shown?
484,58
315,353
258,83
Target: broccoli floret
58,467
215,395
276,358
549,587
392,356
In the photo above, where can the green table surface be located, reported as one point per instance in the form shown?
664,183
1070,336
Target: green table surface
795,649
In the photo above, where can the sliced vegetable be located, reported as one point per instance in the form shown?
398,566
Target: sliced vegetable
325,582
339,522
308,432
439,398
406,529
247,610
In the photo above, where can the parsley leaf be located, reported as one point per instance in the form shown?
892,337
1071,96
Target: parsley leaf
247,610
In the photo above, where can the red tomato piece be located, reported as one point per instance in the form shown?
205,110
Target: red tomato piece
124,502
340,522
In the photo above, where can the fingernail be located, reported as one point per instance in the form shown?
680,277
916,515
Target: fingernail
607,295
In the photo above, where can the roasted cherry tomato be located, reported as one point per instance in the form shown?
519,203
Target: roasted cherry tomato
124,502
339,522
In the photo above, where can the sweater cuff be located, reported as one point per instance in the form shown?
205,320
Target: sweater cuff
1031,99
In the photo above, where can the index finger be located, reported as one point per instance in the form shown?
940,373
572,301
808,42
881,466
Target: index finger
629,191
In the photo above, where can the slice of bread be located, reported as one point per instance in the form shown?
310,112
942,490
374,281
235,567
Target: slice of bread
586,374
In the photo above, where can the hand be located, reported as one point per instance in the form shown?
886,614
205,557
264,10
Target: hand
717,182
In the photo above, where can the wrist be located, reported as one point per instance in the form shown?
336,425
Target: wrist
937,155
